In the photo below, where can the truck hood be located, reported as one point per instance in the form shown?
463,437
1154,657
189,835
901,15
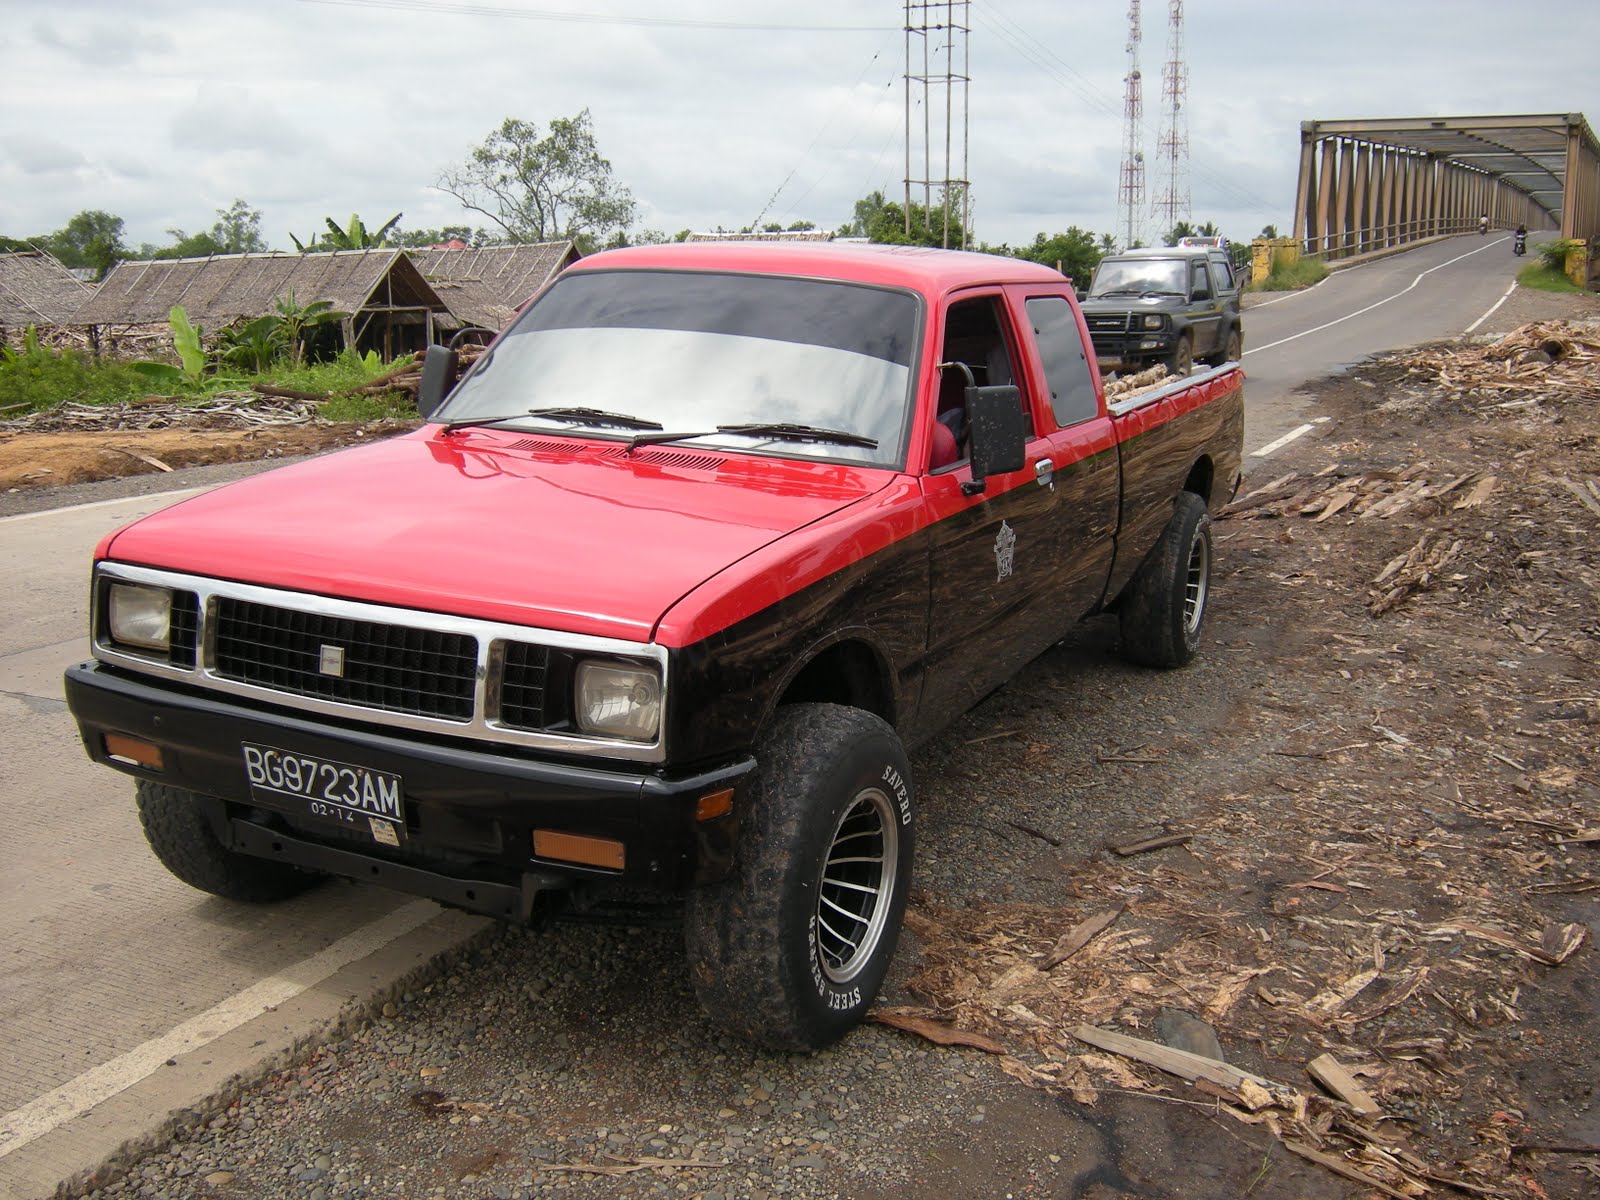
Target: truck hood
552,532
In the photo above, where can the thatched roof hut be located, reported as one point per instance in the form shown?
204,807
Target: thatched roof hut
486,286
391,307
35,289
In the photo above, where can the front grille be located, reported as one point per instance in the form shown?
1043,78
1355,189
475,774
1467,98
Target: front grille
1107,322
366,663
184,629
522,683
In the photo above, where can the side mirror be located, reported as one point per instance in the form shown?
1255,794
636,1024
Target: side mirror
441,366
998,433
1082,295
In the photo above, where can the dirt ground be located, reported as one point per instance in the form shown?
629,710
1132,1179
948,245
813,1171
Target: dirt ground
1380,795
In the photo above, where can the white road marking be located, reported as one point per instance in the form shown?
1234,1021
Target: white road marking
1378,304
1494,306
71,508
77,1096
1273,447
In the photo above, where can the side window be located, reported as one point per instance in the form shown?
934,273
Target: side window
1200,285
1067,369
974,334
1221,277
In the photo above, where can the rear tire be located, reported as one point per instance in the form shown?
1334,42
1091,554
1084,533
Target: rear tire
181,837
791,950
1164,605
1231,350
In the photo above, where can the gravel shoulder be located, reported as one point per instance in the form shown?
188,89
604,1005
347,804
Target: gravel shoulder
1383,775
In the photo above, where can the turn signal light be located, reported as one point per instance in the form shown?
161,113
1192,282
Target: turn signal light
576,848
130,749
713,805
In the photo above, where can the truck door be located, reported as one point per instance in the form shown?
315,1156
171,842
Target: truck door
1083,454
1205,309
993,555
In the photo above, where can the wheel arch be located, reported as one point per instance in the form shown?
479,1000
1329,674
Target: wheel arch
848,668
1201,477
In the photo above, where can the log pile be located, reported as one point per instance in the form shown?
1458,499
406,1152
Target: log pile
406,379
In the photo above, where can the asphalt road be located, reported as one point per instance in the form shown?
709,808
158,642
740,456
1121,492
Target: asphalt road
126,994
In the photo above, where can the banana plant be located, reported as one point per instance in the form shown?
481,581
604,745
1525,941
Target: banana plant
296,320
186,340
254,345
355,236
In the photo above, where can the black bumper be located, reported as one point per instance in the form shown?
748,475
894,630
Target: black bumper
470,813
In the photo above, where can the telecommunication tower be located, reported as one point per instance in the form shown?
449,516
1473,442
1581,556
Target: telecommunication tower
935,30
1172,205
1130,188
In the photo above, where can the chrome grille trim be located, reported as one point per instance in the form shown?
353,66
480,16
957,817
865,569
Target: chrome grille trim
491,640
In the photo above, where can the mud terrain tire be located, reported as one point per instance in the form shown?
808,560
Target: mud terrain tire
1181,361
1164,605
1232,349
183,840
792,948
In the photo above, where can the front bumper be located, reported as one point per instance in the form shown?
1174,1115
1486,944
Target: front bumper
1147,346
470,814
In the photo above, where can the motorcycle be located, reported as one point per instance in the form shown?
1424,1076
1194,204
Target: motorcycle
1483,226
1519,243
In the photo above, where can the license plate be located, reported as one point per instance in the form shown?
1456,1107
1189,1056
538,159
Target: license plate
353,797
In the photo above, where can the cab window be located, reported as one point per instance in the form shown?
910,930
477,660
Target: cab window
1067,369
974,335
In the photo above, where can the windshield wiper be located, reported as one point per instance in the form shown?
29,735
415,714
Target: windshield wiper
593,416
777,430
785,431
1114,292
478,422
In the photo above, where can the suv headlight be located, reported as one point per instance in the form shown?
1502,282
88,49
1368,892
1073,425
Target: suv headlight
618,700
1155,321
139,616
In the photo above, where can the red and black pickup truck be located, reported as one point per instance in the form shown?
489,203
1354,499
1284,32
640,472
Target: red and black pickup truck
649,609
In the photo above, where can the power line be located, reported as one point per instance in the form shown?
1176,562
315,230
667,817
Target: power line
438,8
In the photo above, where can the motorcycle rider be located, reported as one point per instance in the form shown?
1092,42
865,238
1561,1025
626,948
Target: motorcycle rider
1483,224
1519,244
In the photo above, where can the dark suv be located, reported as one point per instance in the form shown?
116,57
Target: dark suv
1170,305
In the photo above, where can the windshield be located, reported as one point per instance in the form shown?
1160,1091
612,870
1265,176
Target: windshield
689,351
1138,276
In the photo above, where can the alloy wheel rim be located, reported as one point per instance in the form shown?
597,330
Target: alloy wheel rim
1197,580
855,885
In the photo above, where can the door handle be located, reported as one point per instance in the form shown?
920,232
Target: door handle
1044,471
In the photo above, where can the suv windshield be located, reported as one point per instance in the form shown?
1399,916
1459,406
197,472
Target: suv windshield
691,351
1139,276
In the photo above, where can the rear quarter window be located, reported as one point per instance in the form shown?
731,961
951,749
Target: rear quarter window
1068,371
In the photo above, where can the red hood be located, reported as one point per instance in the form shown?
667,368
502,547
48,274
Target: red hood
542,531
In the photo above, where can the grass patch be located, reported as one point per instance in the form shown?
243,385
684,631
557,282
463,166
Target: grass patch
1541,278
357,409
1292,277
35,378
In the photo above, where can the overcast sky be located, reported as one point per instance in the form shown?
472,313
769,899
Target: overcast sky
163,111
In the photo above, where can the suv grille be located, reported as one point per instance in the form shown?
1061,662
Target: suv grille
1106,322
389,667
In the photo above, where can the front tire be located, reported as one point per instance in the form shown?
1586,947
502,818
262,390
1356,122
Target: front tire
1181,360
1164,605
182,839
791,950
1232,350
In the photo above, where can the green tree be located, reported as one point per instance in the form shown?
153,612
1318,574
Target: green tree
296,321
237,230
1268,231
435,237
1074,253
882,220
541,188
91,239
1181,230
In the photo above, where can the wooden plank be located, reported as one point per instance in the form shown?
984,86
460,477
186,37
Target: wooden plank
1079,936
1339,1167
1154,843
1184,1064
1330,1073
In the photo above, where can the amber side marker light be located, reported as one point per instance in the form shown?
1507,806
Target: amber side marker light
574,847
132,750
713,805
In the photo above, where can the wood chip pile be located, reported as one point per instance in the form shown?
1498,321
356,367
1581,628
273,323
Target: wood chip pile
1536,366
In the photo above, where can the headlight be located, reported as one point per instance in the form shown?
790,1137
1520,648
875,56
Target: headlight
140,616
1154,322
620,701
